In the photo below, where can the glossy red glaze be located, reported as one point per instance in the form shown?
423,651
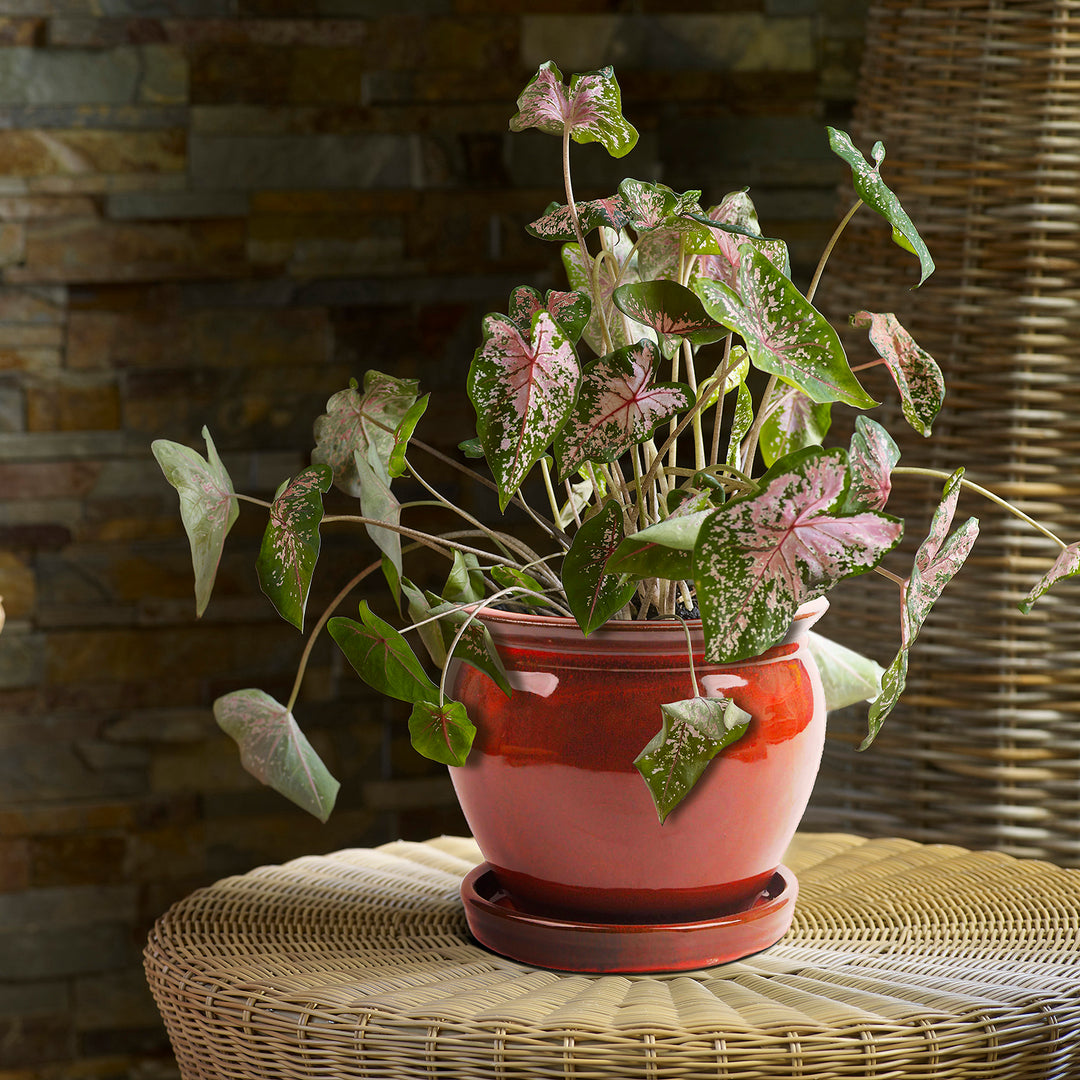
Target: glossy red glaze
565,820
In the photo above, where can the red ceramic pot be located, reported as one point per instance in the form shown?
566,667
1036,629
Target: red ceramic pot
565,821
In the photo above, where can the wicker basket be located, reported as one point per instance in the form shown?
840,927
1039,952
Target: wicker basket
978,104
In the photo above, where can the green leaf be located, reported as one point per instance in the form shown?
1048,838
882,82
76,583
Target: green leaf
522,390
274,750
465,582
403,433
741,422
475,647
420,612
382,657
873,191
847,676
441,732
593,594
670,309
785,334
692,733
290,544
379,502
592,108
892,686
794,423
207,506
529,591
871,459
663,550
471,448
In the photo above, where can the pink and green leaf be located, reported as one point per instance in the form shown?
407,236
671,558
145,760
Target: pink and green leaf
692,733
207,506
591,108
871,458
758,558
557,223
441,732
873,191
893,682
794,422
784,333
913,369
592,593
569,309
619,405
274,750
1065,566
742,421
362,422
290,544
663,550
670,309
522,389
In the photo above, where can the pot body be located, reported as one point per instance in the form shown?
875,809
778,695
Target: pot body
557,807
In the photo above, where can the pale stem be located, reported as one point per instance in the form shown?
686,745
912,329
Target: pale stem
251,499
837,232
895,578
751,441
642,509
906,470
718,412
690,657
552,501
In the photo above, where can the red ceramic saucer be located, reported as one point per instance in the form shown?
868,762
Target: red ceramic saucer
498,922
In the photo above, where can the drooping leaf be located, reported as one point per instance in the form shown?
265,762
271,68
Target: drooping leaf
362,422
475,646
290,544
557,223
207,506
914,370
274,750
522,389
785,334
403,433
664,550
670,309
892,686
592,593
848,677
465,582
378,502
794,422
619,405
529,591
873,191
441,732
419,606
591,108
692,733
759,557
382,657
1065,565
871,459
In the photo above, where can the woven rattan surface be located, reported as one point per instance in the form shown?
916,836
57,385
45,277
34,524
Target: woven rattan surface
904,961
978,103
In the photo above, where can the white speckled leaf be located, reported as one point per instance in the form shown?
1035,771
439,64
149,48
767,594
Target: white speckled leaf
670,309
207,506
758,558
556,223
569,309
522,389
871,459
784,333
1065,565
593,594
290,544
914,370
274,750
893,682
794,423
618,406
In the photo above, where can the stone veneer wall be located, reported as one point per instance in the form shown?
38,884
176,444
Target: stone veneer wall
215,212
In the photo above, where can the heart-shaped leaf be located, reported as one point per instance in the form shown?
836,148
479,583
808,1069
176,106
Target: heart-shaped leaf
785,334
670,309
914,370
207,506
591,108
758,558
441,732
382,657
274,750
650,206
848,677
794,422
592,593
569,309
663,550
692,733
522,390
873,191
871,459
619,405
290,544
557,223
362,423
1065,565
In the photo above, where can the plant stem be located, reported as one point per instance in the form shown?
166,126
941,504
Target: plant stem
750,444
895,578
837,232
907,470
251,499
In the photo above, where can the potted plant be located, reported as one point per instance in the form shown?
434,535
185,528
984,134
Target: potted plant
634,715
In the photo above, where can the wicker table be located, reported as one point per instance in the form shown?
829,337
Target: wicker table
904,961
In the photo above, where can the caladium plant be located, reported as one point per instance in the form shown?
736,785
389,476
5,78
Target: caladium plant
669,411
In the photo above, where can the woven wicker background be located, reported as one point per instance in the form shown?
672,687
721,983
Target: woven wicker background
979,108
904,961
